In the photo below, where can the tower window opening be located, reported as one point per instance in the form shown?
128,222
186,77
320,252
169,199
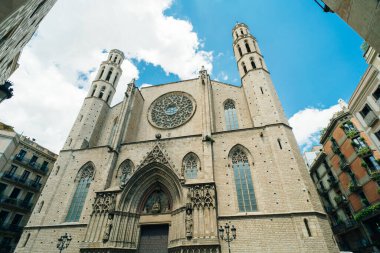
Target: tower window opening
93,91
253,63
241,31
109,75
114,81
261,88
115,59
108,97
237,35
278,140
247,46
244,68
240,52
261,63
40,206
101,73
307,227
102,92
26,240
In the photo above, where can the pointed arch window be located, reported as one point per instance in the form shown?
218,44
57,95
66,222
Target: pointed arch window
101,73
244,68
240,52
108,97
125,171
101,93
84,178
116,76
241,31
230,115
109,74
190,166
93,91
243,181
252,63
247,46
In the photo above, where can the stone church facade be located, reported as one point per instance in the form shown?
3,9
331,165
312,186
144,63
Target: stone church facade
165,168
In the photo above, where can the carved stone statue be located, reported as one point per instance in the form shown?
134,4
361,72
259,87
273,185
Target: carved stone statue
156,208
189,223
107,232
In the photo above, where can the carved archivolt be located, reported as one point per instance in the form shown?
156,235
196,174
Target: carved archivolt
202,196
105,202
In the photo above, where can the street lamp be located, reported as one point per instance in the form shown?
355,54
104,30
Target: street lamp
227,238
63,242
5,91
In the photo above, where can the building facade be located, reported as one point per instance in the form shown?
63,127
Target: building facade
19,19
165,168
361,15
24,168
347,176
365,101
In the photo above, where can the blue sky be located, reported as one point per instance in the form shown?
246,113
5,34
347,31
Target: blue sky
314,57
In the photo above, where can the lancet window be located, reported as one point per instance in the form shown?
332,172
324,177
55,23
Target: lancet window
191,166
243,181
230,115
84,179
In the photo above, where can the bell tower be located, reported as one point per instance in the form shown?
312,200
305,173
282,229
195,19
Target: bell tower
88,125
264,105
104,85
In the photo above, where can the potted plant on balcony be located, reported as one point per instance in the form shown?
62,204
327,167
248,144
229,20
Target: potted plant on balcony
354,187
364,151
352,133
375,175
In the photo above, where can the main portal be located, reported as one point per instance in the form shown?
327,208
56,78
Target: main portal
154,239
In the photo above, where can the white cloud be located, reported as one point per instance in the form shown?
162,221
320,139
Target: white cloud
308,123
69,44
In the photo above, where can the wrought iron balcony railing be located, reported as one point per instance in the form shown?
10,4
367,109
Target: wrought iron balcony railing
33,185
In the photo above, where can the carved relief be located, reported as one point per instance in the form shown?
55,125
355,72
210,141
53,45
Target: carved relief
156,155
157,202
105,202
202,196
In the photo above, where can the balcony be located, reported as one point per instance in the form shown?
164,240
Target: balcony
10,228
352,133
340,200
344,226
370,118
354,187
13,178
335,149
344,166
15,203
364,151
333,181
37,167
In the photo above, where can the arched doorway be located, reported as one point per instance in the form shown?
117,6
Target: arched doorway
155,206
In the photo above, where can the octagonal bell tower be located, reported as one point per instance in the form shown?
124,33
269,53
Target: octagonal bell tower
264,105
87,127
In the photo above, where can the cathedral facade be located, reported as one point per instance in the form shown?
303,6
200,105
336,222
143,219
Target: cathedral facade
164,169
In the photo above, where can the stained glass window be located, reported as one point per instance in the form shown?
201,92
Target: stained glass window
85,178
230,115
243,181
191,166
